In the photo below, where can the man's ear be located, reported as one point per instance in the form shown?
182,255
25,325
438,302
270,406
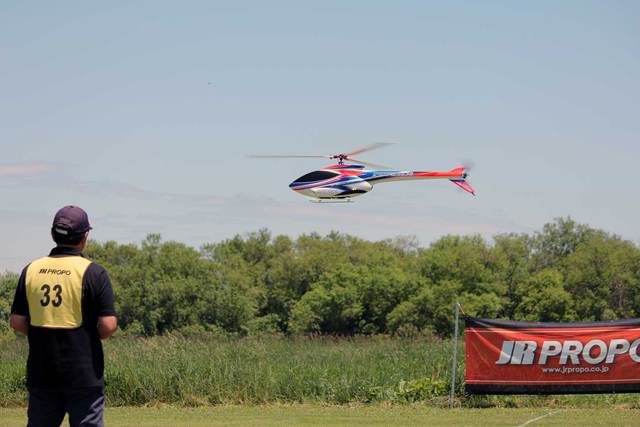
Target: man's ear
84,240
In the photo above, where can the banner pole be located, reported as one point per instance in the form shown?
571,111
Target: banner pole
454,359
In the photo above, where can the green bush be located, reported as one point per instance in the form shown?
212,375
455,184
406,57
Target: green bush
339,284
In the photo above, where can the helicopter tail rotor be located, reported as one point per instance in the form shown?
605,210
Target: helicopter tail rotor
462,181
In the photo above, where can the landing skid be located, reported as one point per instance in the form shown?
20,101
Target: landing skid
345,200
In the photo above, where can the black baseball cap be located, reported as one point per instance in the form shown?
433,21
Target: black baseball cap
71,220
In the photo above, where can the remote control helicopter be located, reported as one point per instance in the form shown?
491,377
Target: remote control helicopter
343,181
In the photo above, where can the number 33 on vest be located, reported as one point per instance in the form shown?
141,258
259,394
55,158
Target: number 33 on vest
54,291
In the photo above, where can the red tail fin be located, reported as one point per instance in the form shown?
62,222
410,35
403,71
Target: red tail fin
464,185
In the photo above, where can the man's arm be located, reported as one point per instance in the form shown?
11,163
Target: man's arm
19,323
103,301
19,319
107,325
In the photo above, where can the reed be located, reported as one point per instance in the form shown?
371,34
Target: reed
213,369
206,369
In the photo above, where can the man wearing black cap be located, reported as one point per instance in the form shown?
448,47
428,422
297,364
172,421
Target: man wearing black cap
64,304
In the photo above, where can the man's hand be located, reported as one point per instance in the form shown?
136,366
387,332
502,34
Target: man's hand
107,325
19,323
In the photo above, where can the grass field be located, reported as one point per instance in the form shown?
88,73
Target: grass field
213,372
216,370
359,415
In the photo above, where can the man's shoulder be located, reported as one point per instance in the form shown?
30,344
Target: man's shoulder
34,262
25,269
39,259
95,270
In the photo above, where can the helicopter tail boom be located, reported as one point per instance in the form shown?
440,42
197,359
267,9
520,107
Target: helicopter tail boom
457,176
457,173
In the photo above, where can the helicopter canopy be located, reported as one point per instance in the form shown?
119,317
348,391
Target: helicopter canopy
316,176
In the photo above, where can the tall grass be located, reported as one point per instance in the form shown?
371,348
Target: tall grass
13,356
213,370
206,369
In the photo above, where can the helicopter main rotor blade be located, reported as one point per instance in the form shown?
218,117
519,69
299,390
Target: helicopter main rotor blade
362,162
268,156
369,148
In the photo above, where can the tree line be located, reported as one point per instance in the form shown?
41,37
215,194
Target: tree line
341,284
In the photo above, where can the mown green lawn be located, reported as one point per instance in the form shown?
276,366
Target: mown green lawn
358,415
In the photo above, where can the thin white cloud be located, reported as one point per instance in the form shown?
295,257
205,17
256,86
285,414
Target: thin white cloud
125,212
129,191
25,169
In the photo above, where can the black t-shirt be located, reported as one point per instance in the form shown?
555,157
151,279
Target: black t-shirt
69,358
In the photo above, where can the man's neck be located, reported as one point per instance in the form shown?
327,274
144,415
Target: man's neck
75,247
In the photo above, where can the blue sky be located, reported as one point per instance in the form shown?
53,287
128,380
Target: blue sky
142,113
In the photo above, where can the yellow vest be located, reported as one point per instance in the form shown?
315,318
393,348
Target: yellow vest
54,291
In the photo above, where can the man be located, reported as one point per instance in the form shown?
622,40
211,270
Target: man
64,304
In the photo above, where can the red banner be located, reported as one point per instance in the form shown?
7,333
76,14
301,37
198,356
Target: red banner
504,357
